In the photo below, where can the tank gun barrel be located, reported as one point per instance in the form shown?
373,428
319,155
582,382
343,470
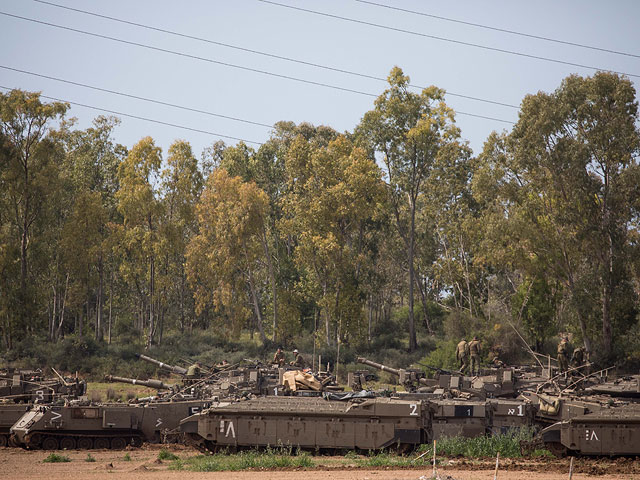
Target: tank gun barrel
172,368
393,371
151,383
379,366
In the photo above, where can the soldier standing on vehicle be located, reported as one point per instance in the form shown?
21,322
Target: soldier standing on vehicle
474,352
298,360
462,355
578,357
194,370
563,354
279,358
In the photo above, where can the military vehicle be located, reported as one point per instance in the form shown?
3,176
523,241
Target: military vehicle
309,423
614,431
10,413
102,426
31,386
499,382
364,422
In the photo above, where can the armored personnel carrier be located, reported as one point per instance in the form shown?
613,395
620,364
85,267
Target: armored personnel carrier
310,423
101,426
614,431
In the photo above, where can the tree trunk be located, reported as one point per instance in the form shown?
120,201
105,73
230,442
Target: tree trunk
413,343
151,298
99,300
272,280
256,307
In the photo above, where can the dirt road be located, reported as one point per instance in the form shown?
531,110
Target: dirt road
143,465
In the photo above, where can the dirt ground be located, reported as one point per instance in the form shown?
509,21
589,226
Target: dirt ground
21,464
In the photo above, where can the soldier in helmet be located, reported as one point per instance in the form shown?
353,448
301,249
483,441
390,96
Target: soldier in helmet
474,353
563,354
578,357
298,360
279,358
462,355
194,371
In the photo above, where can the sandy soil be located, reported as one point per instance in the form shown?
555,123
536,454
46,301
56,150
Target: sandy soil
21,464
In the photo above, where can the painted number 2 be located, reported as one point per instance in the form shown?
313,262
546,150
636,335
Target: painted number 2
414,409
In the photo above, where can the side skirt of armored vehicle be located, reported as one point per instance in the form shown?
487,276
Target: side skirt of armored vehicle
308,423
103,426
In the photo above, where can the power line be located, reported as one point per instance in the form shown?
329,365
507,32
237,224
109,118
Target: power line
128,95
209,60
258,52
443,39
497,29
146,119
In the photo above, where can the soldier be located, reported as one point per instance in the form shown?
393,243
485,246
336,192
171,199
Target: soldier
563,351
578,357
298,360
474,352
462,355
193,371
279,358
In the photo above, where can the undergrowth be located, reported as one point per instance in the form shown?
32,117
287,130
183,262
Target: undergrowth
56,458
242,461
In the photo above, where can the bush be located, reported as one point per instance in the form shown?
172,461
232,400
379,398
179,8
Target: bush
167,455
245,460
90,458
55,458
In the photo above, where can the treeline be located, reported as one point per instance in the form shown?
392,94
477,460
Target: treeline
330,234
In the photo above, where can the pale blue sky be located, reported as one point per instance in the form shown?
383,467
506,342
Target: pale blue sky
332,42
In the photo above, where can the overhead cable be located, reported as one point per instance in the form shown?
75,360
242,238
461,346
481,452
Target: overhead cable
146,119
258,52
443,39
226,64
496,29
137,97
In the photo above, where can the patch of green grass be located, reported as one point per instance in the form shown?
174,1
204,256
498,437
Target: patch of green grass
541,453
127,458
221,462
90,458
55,458
480,447
167,455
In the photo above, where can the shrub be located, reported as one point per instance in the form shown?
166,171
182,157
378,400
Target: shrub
167,455
55,458
89,458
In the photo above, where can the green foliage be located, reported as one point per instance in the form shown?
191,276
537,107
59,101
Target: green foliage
508,445
443,356
90,458
56,458
127,457
221,462
165,454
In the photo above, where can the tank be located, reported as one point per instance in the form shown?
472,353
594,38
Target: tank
101,426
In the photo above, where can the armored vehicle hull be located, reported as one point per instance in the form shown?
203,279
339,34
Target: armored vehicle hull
102,426
611,432
10,413
309,423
